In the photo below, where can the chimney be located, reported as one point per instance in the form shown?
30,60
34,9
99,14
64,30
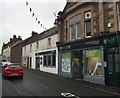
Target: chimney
14,36
34,33
10,39
19,37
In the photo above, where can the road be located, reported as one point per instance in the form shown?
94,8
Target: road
36,83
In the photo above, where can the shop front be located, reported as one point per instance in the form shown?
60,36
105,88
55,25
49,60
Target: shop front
95,60
112,58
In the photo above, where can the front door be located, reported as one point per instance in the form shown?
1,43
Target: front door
113,67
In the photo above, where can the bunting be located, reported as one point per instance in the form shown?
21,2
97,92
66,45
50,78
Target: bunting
33,15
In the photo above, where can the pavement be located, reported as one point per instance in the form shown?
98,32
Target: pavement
107,88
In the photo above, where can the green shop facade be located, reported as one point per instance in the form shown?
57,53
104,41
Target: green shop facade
95,59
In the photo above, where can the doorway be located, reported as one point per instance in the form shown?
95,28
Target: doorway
77,65
113,66
37,63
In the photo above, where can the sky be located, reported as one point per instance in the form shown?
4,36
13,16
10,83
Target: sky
16,18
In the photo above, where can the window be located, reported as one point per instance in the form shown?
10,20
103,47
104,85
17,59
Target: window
66,30
45,60
88,28
31,48
88,24
49,42
78,26
119,15
37,45
49,60
24,49
72,28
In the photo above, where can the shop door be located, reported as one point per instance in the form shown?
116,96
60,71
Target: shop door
37,63
77,59
113,68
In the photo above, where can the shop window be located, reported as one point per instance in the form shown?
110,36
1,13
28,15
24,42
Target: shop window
78,26
45,60
72,28
66,62
49,60
93,60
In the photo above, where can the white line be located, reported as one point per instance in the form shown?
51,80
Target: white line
96,88
15,87
43,85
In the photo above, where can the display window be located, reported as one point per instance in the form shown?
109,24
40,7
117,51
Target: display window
93,58
66,62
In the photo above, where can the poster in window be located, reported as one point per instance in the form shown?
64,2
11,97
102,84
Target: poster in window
66,62
94,62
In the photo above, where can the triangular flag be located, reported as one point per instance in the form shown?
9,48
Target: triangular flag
26,3
36,18
33,14
30,9
38,22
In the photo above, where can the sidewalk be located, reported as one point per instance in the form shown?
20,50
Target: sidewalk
106,88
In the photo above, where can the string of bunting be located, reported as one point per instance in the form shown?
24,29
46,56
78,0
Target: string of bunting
33,15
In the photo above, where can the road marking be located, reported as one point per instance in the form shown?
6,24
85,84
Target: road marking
43,85
69,95
22,91
15,87
94,88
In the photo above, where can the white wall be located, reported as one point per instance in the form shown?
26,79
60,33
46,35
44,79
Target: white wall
43,46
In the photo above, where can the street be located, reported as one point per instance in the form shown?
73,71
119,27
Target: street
36,83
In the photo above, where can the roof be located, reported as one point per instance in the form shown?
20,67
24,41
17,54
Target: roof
40,36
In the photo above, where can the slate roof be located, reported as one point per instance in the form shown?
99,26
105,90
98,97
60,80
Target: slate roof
40,36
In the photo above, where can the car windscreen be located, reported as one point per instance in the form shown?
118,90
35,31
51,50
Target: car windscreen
14,66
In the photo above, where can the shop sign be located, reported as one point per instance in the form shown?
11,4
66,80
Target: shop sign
110,40
96,42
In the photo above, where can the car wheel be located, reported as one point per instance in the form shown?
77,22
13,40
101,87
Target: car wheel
21,77
4,77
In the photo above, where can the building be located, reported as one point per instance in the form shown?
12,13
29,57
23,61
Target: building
6,48
89,44
16,52
40,52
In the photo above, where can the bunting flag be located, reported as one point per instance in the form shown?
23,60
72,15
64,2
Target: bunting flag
33,14
38,22
36,18
30,9
26,3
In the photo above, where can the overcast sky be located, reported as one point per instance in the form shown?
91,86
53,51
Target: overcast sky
16,18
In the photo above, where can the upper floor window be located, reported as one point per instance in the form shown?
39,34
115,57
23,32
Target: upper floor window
66,35
118,15
37,45
72,28
88,24
49,42
30,47
24,49
78,26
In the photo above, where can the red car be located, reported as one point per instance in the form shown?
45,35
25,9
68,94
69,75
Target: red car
12,69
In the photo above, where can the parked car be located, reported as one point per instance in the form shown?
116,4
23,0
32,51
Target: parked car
3,62
11,70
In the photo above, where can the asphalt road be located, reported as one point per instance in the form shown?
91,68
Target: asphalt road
35,83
